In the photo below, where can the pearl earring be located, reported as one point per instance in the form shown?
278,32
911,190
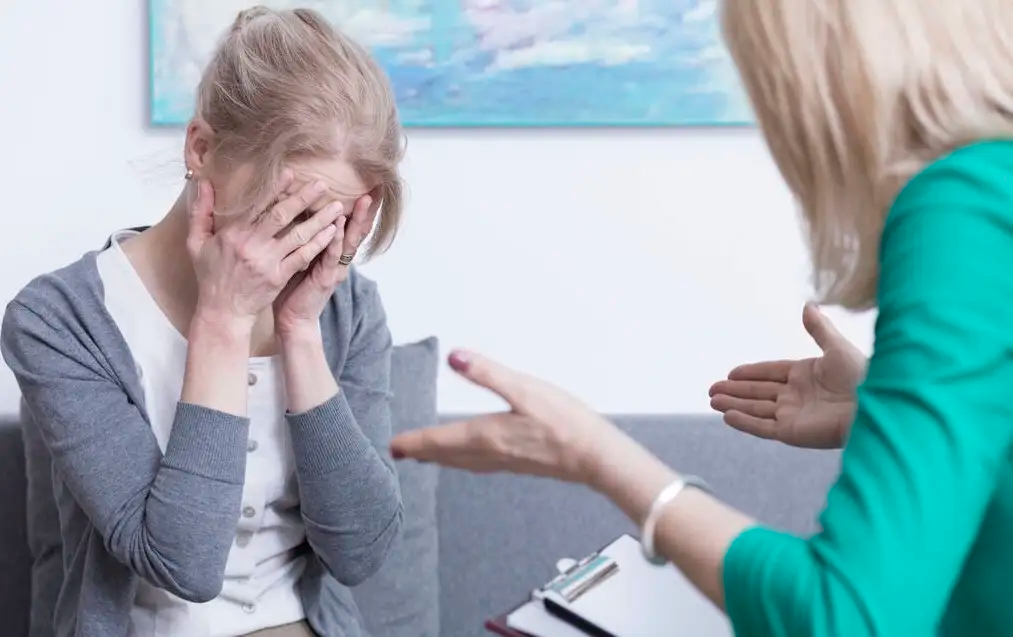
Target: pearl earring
189,174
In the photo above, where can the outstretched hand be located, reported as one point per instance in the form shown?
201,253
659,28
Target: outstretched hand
804,403
547,432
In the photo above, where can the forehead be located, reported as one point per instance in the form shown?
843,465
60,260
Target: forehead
339,176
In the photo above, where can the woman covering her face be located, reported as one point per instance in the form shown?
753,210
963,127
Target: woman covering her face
207,400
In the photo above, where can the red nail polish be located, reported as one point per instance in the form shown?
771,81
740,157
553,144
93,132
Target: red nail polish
459,361
397,455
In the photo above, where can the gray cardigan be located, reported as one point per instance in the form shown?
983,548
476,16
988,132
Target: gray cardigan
105,501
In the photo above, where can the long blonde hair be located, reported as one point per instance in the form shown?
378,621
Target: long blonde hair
854,97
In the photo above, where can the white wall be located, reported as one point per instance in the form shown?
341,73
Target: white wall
632,267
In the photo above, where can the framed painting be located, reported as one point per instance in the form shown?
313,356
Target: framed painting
486,63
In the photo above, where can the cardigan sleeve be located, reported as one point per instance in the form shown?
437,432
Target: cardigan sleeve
170,519
349,494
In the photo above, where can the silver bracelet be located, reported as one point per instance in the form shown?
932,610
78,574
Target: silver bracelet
666,496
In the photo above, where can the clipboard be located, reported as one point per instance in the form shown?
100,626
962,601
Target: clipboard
616,592
500,627
567,573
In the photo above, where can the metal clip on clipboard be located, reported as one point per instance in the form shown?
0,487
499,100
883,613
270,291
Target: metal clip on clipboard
579,577
574,580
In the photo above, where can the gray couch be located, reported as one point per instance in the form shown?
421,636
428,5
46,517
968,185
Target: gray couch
475,545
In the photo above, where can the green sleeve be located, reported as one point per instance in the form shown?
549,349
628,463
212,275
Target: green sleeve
931,435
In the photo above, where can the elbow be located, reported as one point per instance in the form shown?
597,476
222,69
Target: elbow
198,588
358,564
351,575
196,577
200,594
180,550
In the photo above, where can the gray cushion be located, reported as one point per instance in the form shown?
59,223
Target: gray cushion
403,598
500,535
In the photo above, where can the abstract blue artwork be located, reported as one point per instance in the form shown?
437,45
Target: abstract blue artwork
456,63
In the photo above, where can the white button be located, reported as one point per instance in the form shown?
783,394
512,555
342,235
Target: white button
251,446
242,539
249,608
249,512
251,379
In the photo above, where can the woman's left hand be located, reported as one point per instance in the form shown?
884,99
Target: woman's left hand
547,432
299,305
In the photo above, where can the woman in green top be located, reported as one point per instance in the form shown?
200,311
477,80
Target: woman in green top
886,119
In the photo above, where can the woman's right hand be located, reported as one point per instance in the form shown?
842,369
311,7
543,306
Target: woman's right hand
242,267
804,403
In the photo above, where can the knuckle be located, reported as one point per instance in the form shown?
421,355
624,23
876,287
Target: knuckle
277,216
497,445
230,238
245,252
478,437
277,279
299,236
236,235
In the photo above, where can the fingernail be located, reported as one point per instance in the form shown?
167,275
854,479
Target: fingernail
459,361
397,455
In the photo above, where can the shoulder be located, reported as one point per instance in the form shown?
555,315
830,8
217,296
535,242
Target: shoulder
70,289
949,233
978,176
355,318
363,289
359,298
56,306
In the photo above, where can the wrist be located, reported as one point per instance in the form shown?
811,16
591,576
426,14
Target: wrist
221,326
599,461
621,463
299,335
309,380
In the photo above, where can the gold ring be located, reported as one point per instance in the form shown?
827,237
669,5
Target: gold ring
346,259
